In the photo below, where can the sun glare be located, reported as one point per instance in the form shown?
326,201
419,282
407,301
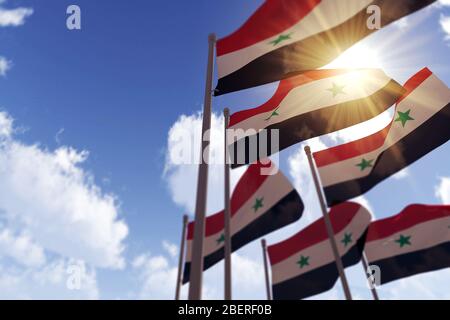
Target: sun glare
358,56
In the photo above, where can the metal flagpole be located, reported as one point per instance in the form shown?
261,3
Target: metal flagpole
328,225
372,287
266,269
195,283
181,258
227,211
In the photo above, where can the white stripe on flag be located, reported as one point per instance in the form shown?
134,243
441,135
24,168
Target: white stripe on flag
320,254
274,189
357,84
326,15
423,236
424,102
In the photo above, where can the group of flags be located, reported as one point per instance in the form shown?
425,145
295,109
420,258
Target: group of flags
285,37
286,41
310,105
260,204
421,123
414,241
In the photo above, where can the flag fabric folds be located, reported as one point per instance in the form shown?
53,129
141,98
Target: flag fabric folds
310,105
416,240
284,37
304,265
420,124
260,204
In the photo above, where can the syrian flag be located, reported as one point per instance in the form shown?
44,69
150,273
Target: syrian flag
284,37
416,240
310,105
260,204
421,123
304,265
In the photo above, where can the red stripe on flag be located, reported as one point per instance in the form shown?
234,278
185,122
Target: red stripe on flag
284,87
270,19
415,81
409,217
351,149
213,224
370,143
247,186
340,217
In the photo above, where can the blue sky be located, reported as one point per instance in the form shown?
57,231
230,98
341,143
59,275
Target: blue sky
115,89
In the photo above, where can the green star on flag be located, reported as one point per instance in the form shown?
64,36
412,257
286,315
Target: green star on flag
281,38
273,114
336,89
365,164
404,117
303,262
258,204
403,241
221,239
347,239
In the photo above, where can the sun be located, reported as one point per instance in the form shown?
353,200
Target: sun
357,57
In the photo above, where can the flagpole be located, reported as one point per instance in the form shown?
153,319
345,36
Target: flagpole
366,267
227,211
196,274
266,269
328,225
181,257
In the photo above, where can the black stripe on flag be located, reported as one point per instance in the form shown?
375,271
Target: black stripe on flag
286,211
313,124
318,280
428,136
315,51
409,264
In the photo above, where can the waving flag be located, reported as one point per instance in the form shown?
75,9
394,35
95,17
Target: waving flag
304,265
284,37
416,240
260,204
310,105
421,123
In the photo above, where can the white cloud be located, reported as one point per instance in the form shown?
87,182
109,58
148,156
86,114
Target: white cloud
444,2
425,286
445,25
6,125
404,173
248,277
14,17
5,65
21,248
157,275
52,203
171,249
184,143
47,282
58,136
442,191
